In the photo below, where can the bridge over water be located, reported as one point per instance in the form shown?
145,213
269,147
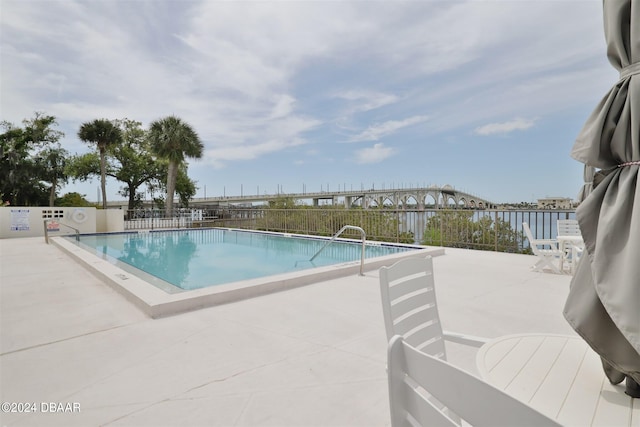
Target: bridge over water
420,197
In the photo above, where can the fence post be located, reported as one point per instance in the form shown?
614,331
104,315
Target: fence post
286,223
495,228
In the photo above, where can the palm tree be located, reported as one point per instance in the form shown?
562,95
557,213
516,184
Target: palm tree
103,133
172,139
52,162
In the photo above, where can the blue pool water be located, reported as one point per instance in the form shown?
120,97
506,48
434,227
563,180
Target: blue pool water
192,259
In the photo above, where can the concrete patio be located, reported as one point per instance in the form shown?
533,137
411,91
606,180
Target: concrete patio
313,355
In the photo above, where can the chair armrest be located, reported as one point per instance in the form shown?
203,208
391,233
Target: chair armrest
464,339
545,242
552,243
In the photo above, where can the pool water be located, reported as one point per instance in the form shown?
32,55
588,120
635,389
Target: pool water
193,259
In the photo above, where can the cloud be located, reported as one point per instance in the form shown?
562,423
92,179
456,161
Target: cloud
366,100
277,135
377,131
374,154
283,106
218,156
504,127
257,78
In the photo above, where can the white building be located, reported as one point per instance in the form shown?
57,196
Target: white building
555,203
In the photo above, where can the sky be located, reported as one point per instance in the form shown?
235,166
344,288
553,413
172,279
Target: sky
293,96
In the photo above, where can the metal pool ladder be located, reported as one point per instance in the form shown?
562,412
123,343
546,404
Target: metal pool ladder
335,236
46,230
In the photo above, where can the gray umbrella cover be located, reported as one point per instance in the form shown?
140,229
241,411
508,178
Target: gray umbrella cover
604,300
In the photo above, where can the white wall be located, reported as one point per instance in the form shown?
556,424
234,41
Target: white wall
28,221
109,220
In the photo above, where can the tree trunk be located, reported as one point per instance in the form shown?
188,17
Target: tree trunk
52,193
132,198
103,177
172,176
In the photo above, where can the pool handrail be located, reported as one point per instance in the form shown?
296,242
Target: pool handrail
46,230
335,236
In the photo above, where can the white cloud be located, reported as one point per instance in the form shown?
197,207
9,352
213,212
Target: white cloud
256,78
283,106
277,135
218,156
377,131
504,127
366,100
374,154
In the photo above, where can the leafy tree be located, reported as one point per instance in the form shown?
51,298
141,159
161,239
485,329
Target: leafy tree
185,186
52,162
173,139
104,134
39,130
20,174
134,163
449,228
284,203
285,215
73,199
84,166
17,168
130,162
457,228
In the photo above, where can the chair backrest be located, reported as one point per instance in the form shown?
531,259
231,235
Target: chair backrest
527,232
409,304
568,227
532,241
412,372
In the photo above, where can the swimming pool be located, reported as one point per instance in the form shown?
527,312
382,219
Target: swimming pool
198,258
192,258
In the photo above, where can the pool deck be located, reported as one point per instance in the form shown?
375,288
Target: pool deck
312,355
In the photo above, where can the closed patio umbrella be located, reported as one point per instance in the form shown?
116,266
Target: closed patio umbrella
603,305
588,175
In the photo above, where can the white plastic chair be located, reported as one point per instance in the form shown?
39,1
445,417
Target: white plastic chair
547,250
568,227
571,244
576,254
411,371
410,307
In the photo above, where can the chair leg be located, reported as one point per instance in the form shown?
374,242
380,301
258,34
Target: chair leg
576,254
547,262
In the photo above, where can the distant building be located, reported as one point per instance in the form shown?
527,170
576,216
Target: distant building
555,203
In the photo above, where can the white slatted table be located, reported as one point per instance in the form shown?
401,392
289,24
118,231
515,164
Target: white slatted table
559,376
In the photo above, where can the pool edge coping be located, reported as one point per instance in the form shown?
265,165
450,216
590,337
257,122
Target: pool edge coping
157,303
